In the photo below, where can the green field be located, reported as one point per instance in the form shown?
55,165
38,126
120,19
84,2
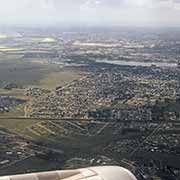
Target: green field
73,144
26,74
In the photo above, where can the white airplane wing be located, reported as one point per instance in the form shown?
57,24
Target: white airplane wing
91,173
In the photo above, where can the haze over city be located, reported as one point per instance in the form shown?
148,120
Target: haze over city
90,12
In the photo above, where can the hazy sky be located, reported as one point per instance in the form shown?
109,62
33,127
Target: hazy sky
90,12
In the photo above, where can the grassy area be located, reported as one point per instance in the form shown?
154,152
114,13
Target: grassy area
72,140
24,73
74,145
37,74
59,78
18,126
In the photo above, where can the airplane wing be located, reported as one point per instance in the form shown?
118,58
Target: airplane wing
91,173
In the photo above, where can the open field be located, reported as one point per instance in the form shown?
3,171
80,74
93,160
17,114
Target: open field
26,74
17,126
23,74
71,143
59,78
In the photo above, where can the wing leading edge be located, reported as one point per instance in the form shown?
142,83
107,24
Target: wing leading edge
91,173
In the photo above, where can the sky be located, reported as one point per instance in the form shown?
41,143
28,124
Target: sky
90,12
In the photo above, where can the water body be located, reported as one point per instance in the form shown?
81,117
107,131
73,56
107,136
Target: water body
137,63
